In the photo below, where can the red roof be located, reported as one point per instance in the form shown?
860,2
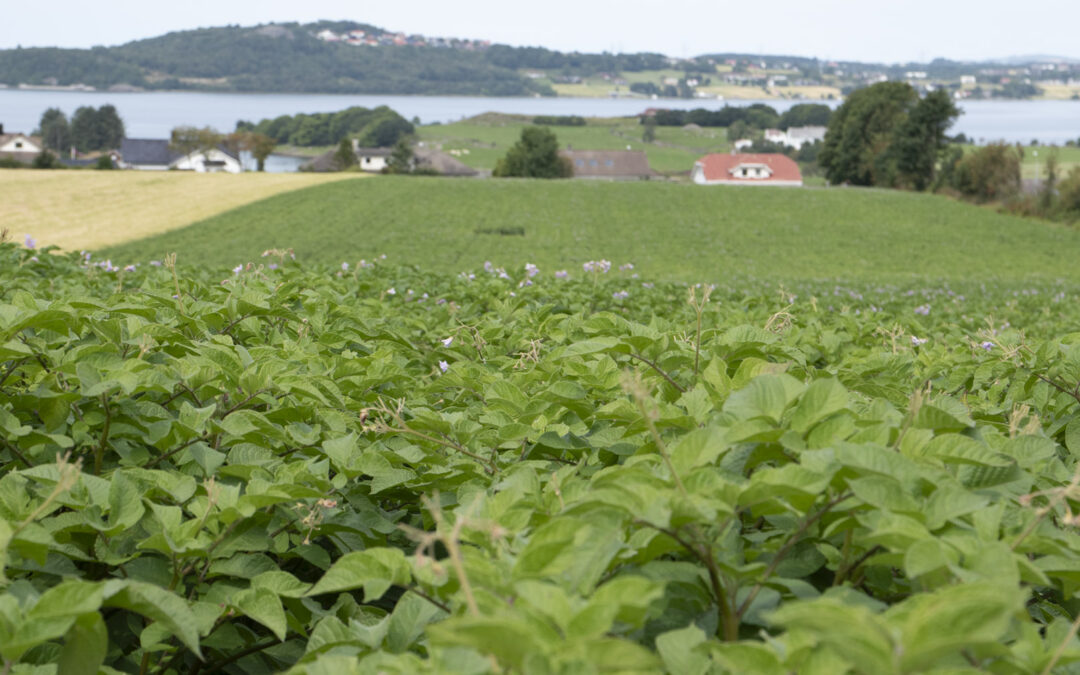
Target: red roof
721,166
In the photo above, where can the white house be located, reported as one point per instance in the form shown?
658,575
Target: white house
20,146
746,169
371,159
795,137
742,143
151,154
968,80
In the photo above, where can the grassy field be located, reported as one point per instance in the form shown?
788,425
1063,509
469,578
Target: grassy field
668,230
94,209
486,138
1034,165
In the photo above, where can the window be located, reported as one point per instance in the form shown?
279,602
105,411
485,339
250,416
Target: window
18,144
609,163
593,162
580,163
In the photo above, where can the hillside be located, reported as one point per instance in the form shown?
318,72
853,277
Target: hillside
669,231
91,209
358,58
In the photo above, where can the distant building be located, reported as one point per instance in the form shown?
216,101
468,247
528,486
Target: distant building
795,137
968,79
152,154
742,143
20,147
444,164
371,159
609,164
747,169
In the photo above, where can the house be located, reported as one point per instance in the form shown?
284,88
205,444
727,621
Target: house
746,169
609,164
152,154
20,147
742,143
371,159
799,136
795,137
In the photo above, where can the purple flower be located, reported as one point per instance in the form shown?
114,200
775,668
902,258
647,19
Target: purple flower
562,274
448,341
34,258
272,266
155,263
626,267
915,342
129,268
29,242
646,284
988,346
444,366
344,267
531,269
924,310
237,270
601,266
391,291
488,267
620,295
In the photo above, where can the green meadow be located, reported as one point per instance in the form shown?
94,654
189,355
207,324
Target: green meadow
480,141
673,231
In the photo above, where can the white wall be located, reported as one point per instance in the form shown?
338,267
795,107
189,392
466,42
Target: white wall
196,161
369,163
13,145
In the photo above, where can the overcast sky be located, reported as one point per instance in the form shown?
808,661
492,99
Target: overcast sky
867,30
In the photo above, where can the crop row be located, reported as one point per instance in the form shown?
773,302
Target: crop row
321,470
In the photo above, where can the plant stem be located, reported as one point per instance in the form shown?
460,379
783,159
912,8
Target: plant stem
657,368
1061,647
99,452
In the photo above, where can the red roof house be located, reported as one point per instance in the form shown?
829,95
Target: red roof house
747,169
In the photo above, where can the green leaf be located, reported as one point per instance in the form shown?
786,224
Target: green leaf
157,604
85,646
264,606
765,396
676,649
820,400
375,570
854,632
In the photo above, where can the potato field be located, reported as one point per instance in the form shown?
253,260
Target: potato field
366,468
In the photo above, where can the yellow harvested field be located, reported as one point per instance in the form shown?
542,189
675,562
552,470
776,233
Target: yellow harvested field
92,209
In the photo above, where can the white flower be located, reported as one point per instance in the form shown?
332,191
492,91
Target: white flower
344,267
627,266
237,270
915,342
448,341
29,242
444,366
391,291
531,269
620,295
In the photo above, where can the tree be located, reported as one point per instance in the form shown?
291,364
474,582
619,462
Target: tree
401,159
344,156
989,173
921,139
55,130
1048,189
738,130
535,155
649,134
100,129
187,140
259,145
861,131
46,160
805,115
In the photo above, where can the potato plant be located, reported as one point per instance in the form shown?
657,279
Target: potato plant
373,469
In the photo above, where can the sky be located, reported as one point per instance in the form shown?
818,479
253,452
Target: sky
889,31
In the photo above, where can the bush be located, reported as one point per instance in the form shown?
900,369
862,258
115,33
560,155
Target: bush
560,120
104,163
990,173
1069,195
46,160
535,155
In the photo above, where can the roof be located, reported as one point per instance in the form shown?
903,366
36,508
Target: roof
36,140
427,158
721,166
608,163
806,132
147,151
373,152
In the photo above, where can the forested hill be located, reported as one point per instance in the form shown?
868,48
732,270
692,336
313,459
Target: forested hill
290,58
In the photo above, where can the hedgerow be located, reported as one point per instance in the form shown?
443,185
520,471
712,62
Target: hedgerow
377,469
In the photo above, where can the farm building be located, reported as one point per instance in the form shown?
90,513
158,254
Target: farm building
746,169
609,164
152,154
371,159
427,158
795,137
20,147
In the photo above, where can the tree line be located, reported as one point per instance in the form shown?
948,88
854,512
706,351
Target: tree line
372,127
89,129
756,116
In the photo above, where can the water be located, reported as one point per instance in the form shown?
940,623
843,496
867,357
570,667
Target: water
154,114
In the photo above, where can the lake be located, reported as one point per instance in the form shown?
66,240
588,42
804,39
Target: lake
154,114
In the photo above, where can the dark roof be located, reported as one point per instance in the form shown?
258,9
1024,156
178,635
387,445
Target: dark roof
147,151
427,158
374,152
322,163
609,163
